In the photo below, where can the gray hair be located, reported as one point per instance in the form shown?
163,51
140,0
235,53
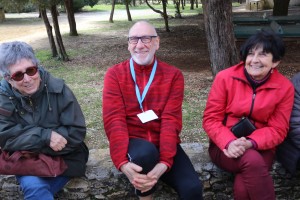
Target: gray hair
13,52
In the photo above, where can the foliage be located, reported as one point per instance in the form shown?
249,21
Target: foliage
29,7
78,5
13,5
45,3
91,2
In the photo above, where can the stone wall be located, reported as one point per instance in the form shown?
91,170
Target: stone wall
103,181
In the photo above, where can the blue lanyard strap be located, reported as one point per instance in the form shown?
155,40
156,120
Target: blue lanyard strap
137,91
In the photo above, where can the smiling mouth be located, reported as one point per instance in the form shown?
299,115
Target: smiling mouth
28,86
141,52
256,67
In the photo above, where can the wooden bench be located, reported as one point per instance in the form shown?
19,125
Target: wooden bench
282,20
286,31
291,19
250,20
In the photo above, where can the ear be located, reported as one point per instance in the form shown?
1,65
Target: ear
275,64
157,40
9,81
6,77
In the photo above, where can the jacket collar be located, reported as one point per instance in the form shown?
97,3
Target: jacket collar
272,82
141,68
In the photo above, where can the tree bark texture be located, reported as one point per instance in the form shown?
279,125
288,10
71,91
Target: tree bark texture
128,11
71,17
48,26
111,18
220,34
164,3
281,7
63,53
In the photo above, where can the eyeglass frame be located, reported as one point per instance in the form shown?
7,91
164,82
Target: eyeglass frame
141,38
13,76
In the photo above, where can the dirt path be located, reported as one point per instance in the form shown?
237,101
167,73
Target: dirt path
31,28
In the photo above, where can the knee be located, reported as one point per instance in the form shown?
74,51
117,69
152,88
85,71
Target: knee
143,153
33,185
253,160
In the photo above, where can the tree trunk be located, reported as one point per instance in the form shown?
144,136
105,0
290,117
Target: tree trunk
127,10
177,8
63,53
281,7
192,4
111,18
163,14
44,16
219,33
71,17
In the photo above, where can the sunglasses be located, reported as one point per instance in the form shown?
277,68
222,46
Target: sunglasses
30,71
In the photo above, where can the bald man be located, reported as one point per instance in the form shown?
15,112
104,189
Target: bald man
142,114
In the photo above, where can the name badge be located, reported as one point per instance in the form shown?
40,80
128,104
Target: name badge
147,116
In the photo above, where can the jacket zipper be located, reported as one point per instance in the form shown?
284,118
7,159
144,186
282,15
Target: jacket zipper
252,102
31,105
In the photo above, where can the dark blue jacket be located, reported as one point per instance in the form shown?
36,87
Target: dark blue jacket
26,122
288,153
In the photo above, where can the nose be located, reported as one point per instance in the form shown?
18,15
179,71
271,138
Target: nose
26,77
140,43
255,58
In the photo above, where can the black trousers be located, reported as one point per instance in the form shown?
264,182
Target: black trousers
182,177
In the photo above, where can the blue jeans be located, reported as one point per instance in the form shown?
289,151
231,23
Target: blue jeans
37,188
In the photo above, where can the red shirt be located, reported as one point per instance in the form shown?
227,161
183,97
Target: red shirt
120,109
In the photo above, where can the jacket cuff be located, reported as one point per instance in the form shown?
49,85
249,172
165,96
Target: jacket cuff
254,144
168,165
120,165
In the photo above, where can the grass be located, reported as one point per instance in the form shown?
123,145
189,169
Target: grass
87,87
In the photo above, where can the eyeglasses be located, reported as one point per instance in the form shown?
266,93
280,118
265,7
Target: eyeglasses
30,71
144,39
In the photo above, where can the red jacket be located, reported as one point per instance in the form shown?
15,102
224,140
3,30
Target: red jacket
231,95
120,109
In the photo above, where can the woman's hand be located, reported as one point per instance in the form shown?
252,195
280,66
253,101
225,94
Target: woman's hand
237,147
57,141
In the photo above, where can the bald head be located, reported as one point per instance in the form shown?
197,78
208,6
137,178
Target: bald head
142,28
143,42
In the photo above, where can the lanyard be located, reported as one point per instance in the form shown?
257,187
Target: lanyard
137,91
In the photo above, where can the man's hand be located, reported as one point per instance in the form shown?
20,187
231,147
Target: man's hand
143,182
153,176
57,142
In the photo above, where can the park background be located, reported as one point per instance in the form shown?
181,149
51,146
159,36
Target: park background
101,44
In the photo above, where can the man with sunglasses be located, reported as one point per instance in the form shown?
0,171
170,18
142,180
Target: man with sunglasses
142,114
40,114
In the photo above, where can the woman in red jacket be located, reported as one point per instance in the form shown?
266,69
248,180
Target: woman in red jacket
252,89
